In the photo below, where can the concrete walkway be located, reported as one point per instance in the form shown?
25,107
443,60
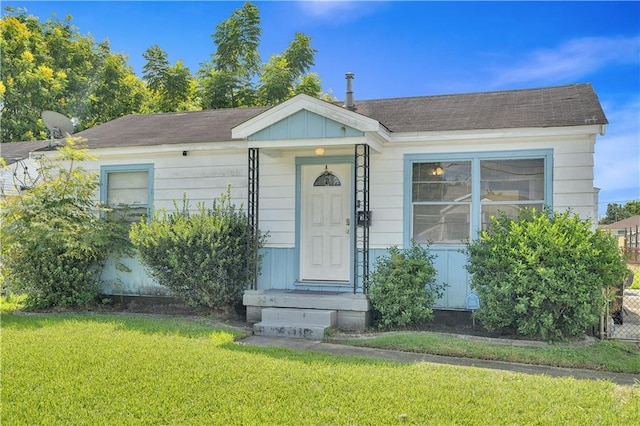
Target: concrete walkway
337,349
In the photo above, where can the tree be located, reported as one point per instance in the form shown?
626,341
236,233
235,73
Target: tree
235,62
172,86
617,212
229,79
116,91
286,75
51,66
53,241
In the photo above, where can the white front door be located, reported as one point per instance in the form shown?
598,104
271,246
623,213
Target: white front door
325,253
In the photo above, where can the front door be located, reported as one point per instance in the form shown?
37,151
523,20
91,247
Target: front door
325,253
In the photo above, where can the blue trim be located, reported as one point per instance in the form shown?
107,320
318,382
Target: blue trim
304,161
475,158
143,167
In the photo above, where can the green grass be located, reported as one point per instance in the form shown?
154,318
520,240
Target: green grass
607,355
118,369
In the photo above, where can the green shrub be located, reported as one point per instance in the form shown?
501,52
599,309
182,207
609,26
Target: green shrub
543,274
206,258
54,243
403,289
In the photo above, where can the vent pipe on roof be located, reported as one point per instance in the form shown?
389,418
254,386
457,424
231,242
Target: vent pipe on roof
348,101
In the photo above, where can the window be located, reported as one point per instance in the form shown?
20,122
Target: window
448,198
327,178
441,197
509,185
127,190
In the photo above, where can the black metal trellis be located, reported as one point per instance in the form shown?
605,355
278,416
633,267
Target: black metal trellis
362,217
252,212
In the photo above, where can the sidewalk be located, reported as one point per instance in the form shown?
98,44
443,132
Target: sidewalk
336,349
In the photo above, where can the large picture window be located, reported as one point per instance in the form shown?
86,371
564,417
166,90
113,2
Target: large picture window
450,197
127,190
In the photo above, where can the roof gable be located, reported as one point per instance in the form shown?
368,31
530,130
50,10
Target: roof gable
305,125
304,102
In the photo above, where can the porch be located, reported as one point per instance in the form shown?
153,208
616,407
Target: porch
293,311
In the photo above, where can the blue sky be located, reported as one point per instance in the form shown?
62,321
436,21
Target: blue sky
417,48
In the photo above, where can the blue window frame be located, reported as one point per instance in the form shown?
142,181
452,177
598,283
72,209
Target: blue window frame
127,190
449,198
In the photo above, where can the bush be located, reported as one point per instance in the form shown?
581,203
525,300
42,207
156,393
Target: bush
206,258
543,274
403,289
54,243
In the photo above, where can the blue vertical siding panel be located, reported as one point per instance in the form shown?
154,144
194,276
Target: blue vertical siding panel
280,130
264,278
277,270
305,125
298,125
333,129
315,126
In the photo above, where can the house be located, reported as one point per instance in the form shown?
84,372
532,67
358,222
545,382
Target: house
20,170
335,185
627,235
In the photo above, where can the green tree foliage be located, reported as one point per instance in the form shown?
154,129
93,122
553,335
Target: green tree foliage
543,274
116,91
206,258
50,66
403,288
229,79
288,74
54,243
173,86
617,212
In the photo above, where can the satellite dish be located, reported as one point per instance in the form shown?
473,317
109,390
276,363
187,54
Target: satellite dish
59,125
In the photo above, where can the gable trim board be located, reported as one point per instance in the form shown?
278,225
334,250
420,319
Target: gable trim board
303,102
558,125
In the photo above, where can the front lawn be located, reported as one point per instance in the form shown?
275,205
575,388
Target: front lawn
602,355
119,369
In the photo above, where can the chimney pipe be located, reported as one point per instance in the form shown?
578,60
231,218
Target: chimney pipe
349,102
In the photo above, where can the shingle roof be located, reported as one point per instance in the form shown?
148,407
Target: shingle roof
14,151
630,222
571,105
159,129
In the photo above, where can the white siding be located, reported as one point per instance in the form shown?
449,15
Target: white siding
202,175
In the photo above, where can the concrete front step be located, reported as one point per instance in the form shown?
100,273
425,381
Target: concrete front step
295,323
352,309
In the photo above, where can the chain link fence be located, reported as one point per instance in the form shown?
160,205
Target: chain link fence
623,321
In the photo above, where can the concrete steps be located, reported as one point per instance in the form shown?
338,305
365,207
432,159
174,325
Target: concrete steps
295,323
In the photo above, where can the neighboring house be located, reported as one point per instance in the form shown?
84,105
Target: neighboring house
626,232
21,168
619,228
336,185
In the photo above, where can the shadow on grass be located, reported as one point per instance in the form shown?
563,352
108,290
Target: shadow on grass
307,356
148,324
